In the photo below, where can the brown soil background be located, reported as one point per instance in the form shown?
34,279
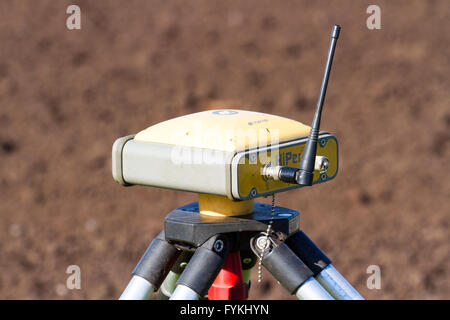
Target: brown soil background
65,96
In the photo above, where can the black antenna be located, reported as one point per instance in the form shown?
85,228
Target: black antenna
306,172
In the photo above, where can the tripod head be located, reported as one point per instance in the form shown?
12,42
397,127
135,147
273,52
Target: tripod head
237,154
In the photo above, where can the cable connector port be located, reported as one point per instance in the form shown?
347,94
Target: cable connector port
290,174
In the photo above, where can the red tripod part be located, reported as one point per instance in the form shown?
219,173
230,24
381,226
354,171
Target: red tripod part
229,284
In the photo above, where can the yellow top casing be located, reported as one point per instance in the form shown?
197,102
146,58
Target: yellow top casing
224,130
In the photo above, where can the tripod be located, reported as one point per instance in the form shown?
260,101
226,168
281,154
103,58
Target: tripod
200,256
207,249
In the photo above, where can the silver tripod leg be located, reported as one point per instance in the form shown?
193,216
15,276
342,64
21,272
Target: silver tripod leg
337,285
184,293
312,290
152,269
321,266
137,289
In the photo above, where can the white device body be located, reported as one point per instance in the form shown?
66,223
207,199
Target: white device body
197,170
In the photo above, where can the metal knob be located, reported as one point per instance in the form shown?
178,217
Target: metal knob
322,164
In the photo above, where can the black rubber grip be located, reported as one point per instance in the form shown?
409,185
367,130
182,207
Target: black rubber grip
308,252
157,261
288,174
204,266
287,268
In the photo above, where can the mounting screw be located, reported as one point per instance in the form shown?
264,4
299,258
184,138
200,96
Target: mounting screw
247,260
253,192
183,265
218,245
262,243
323,142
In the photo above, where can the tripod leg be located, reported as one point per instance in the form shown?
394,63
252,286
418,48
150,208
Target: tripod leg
137,289
169,284
151,270
337,285
322,268
248,259
288,269
202,269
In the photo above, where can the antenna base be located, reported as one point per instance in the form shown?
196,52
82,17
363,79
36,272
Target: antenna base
304,178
